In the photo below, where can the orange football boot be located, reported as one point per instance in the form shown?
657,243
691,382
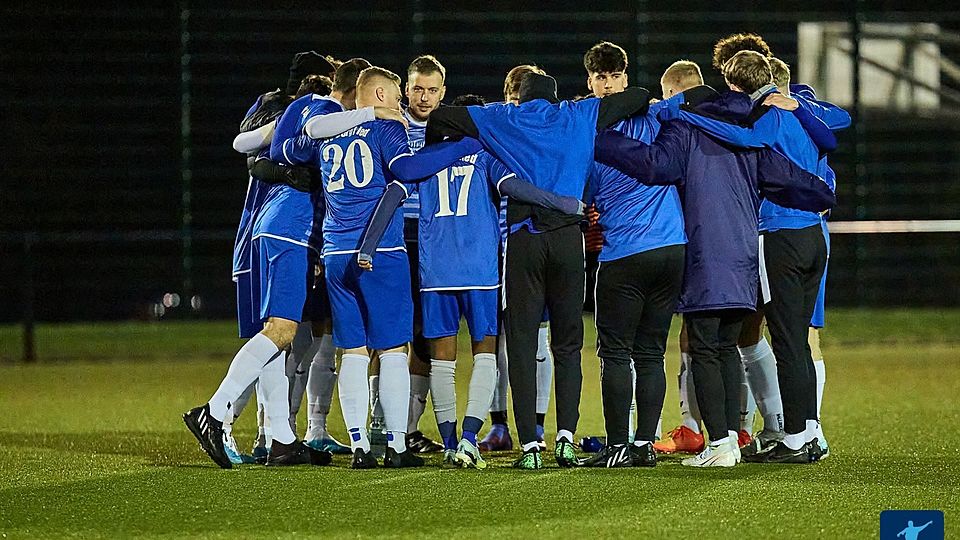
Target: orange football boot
681,440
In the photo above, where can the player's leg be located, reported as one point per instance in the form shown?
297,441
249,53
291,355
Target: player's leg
297,366
523,291
816,324
387,309
480,309
420,365
498,438
441,315
748,407
544,378
320,384
687,437
760,369
565,282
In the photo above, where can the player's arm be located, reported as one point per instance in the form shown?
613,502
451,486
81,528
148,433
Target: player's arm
616,107
271,172
522,190
661,163
391,199
818,131
329,125
784,183
450,122
834,116
288,127
410,167
250,142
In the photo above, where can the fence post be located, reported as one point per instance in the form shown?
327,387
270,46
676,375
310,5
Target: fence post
186,157
29,297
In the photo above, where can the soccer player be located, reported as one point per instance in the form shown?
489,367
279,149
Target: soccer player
277,288
459,244
371,311
544,260
794,255
720,276
498,438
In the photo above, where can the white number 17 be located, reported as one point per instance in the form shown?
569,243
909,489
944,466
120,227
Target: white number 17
465,172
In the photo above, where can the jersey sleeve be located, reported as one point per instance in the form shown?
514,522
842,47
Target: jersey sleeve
328,125
288,127
761,133
833,116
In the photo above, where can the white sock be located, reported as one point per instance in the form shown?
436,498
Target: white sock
660,426
720,442
320,383
241,402
276,404
298,360
812,431
531,446
565,434
261,423
748,405
482,382
795,441
760,366
544,371
821,369
632,419
243,370
419,386
375,406
499,401
396,396
443,389
354,398
689,409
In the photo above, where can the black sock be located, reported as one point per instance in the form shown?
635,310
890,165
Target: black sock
498,417
541,418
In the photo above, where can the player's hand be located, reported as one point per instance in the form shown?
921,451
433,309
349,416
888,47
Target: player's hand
365,261
781,101
386,113
654,100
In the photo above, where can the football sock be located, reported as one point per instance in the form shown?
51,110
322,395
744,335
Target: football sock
821,369
720,442
241,402
261,424
482,381
498,405
320,383
354,398
795,441
244,370
760,366
544,372
531,446
443,388
748,406
689,410
564,434
419,386
376,407
298,360
632,419
812,431
395,396
275,388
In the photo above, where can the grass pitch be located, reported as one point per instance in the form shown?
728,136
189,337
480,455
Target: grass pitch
91,445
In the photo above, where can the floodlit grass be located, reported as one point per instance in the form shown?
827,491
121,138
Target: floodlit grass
94,447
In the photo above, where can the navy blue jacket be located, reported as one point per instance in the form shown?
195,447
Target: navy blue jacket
720,187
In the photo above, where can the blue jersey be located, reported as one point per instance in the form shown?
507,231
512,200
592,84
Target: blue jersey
289,214
256,194
416,136
634,217
548,144
459,225
356,171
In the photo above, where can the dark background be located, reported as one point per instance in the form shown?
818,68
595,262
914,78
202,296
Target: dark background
120,183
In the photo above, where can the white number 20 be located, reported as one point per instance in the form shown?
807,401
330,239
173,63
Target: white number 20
345,165
448,177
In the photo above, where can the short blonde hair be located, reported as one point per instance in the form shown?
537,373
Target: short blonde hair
780,71
748,70
371,74
682,74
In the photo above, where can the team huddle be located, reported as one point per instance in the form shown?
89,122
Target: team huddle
372,228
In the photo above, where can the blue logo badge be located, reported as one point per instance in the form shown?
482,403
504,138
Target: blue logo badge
911,525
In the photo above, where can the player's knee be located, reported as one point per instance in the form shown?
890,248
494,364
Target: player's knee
280,331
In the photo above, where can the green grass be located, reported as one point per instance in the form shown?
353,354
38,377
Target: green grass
95,448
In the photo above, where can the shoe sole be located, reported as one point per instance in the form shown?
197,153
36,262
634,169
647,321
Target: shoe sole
718,461
467,462
197,434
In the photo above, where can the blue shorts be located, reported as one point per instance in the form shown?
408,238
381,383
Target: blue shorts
818,319
277,280
248,321
442,311
370,309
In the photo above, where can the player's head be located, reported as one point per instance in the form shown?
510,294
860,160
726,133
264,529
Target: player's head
511,85
724,50
680,76
345,82
781,75
307,63
315,84
467,100
378,87
606,65
747,72
426,86
536,86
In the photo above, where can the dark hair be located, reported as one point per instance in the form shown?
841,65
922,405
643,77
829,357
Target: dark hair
605,57
346,78
748,70
315,84
427,64
724,50
511,84
468,99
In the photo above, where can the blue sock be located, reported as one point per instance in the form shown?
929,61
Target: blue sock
539,432
448,432
471,426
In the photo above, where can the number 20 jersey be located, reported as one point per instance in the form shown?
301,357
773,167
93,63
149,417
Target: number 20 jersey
459,225
356,171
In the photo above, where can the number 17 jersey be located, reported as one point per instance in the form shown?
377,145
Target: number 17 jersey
459,225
